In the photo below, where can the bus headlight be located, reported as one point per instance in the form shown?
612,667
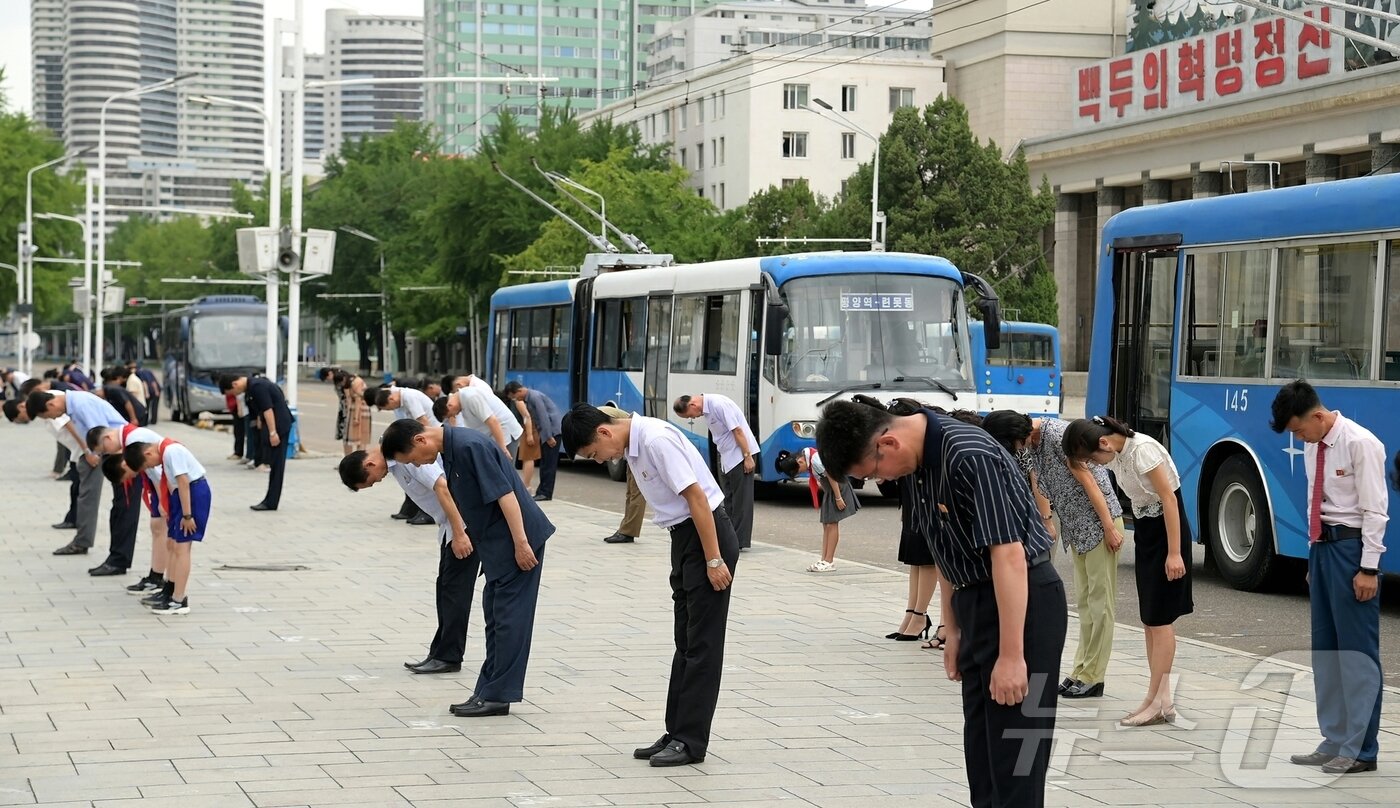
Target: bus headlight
805,429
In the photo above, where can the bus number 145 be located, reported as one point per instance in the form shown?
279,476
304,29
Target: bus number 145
1237,400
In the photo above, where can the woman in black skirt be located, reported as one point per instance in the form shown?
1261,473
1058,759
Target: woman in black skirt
1161,542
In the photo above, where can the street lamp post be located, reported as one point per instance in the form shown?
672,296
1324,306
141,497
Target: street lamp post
26,252
101,284
876,243
274,211
87,273
383,299
19,283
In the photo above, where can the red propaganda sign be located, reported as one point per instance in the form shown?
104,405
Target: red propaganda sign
1254,58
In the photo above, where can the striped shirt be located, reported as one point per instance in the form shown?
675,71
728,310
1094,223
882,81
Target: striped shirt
968,495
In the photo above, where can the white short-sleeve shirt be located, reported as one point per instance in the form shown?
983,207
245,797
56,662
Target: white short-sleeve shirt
1141,454
479,405
177,460
417,482
664,463
415,404
723,417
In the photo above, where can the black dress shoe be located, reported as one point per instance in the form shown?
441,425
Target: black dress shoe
106,569
261,507
1083,690
71,549
1311,759
1065,685
412,665
619,538
64,526
478,708
675,754
422,519
436,666
542,498
1346,765
399,515
646,752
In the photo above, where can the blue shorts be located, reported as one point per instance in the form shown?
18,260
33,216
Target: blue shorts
200,500
151,495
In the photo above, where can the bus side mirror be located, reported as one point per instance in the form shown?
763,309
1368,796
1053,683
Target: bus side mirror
991,322
775,317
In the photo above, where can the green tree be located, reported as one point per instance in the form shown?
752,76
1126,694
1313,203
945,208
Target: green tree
946,194
791,212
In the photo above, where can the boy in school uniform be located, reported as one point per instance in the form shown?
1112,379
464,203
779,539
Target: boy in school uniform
111,442
704,552
186,510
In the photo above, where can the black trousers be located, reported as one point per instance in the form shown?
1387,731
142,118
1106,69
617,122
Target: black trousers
276,457
456,585
1007,748
410,509
508,602
122,521
71,517
548,466
701,618
240,434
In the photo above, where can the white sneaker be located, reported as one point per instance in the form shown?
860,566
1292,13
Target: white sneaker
822,566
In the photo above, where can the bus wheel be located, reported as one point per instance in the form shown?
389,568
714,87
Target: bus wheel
617,469
1240,527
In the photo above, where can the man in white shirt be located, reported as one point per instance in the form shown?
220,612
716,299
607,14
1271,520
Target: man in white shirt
704,552
10,382
481,410
1347,513
408,403
730,431
458,564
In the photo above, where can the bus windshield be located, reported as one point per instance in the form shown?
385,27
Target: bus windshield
226,341
859,329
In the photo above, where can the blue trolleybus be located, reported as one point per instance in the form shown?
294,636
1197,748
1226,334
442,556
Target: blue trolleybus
1023,374
213,335
779,335
1204,308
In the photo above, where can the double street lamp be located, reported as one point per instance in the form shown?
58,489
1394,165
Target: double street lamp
877,244
25,292
87,276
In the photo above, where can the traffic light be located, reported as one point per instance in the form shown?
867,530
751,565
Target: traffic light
133,302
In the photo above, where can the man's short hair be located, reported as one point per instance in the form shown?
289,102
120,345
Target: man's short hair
579,427
37,403
12,409
440,408
114,468
680,404
28,387
447,382
514,387
227,381
1294,400
352,469
381,397
94,437
398,438
51,373
845,433
135,455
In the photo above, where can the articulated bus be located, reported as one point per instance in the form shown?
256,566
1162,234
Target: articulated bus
1023,374
1205,308
213,335
780,336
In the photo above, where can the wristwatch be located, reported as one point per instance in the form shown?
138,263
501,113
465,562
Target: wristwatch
1370,571
714,563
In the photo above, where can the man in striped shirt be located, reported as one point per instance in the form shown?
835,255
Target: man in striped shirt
1003,604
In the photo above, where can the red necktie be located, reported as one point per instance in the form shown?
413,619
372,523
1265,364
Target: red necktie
1315,507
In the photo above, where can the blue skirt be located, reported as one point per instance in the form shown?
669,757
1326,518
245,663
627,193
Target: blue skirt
200,501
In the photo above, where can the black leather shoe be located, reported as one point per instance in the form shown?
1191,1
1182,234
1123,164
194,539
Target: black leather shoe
1065,685
436,666
1311,759
422,519
64,526
1345,765
675,754
399,515
261,507
71,549
106,569
1083,690
619,538
412,665
480,709
542,498
647,751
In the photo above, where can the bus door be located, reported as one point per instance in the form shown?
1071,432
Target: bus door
1144,293
658,359
581,326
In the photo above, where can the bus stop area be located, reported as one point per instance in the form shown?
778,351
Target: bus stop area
285,685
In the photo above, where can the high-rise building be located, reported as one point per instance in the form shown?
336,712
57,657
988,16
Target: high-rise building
592,49
162,149
370,47
313,143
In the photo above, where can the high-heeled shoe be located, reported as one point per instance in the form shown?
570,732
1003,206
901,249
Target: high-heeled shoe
894,635
1166,716
935,643
922,635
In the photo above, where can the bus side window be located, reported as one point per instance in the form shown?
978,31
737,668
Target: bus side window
705,338
1325,310
1390,327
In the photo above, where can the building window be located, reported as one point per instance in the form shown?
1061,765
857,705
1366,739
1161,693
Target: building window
685,112
848,98
848,145
700,109
794,144
794,96
844,183
714,154
720,201
901,97
789,182
721,151
699,156
683,163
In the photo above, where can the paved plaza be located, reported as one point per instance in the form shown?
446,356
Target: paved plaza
285,685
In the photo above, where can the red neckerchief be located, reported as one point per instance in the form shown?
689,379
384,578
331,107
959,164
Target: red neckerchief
812,484
126,431
165,481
